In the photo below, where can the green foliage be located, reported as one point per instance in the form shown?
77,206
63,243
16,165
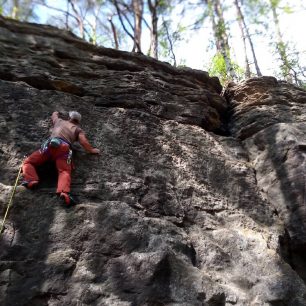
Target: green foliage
289,67
163,50
23,10
162,4
221,29
218,68
287,9
182,63
179,32
256,11
165,7
275,3
285,62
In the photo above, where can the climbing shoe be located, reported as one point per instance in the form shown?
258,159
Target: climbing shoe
67,199
29,184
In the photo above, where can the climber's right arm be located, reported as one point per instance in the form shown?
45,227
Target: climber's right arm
86,145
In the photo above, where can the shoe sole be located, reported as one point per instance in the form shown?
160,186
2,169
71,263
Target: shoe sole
30,186
71,203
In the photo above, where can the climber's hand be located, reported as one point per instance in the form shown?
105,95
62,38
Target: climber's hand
95,151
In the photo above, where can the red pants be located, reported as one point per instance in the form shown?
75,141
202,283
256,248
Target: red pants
59,155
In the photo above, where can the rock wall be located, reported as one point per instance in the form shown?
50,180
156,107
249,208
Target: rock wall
269,116
197,199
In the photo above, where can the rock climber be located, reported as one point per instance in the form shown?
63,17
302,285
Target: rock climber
58,148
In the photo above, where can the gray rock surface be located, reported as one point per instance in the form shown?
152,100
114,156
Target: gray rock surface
270,116
262,102
172,212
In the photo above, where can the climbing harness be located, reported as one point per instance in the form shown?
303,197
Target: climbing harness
11,199
55,142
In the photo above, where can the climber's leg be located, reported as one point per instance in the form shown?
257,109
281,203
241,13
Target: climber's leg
30,177
64,175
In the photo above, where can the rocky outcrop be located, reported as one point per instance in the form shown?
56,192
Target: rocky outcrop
270,118
262,102
172,213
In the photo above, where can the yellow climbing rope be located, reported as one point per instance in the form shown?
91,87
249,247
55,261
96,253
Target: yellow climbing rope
11,199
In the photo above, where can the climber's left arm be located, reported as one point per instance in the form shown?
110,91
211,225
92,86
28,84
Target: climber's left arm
55,117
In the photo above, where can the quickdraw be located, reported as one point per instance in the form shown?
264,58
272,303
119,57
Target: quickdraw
69,158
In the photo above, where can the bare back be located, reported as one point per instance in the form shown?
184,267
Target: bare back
66,130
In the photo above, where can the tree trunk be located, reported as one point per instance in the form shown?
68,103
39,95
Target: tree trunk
240,23
170,43
138,12
220,34
119,13
67,16
15,10
79,18
114,33
280,45
154,32
248,36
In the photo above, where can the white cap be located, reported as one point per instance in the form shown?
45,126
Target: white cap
74,115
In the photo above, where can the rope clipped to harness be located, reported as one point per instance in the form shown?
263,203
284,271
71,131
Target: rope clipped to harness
11,199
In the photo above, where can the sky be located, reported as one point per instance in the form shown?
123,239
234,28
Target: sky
195,51
196,55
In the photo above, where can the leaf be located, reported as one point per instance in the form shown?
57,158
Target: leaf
288,10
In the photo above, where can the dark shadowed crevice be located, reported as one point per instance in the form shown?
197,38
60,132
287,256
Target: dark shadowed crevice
44,299
6,75
37,82
43,83
159,285
217,300
227,117
285,248
224,129
296,258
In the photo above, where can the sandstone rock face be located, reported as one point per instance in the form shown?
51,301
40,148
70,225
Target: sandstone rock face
173,212
270,117
262,102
